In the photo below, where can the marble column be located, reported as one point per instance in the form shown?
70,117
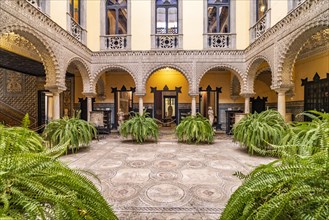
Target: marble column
247,105
90,96
89,107
247,101
282,101
140,105
140,96
193,104
56,105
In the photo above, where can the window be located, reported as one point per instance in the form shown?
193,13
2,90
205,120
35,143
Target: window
261,8
292,4
218,16
75,10
116,17
42,5
166,17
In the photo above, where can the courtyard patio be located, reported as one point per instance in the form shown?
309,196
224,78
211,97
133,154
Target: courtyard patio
165,180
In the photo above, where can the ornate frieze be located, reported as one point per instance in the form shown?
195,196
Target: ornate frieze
18,91
76,30
14,83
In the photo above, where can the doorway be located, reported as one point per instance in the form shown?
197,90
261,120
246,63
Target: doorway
169,110
166,104
45,103
209,99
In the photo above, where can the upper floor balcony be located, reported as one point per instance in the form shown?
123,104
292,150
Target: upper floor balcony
219,40
259,28
115,42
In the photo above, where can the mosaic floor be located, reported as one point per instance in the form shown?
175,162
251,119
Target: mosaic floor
165,180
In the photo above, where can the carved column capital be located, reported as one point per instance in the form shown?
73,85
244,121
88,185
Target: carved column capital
193,94
140,94
89,94
247,95
283,88
54,89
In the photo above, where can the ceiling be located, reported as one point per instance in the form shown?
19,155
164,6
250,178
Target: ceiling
12,61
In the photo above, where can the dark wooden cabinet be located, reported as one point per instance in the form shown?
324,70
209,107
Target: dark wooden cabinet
316,93
84,107
230,120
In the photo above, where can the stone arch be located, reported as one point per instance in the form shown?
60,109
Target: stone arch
103,69
252,71
231,68
173,66
293,46
54,79
83,70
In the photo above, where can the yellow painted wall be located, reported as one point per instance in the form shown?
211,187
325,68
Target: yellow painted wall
115,79
141,24
170,77
193,24
220,79
58,10
263,90
242,23
307,68
92,24
279,10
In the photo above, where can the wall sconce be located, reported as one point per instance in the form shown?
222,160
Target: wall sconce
262,8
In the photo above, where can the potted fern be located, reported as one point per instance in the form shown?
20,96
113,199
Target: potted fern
140,128
257,131
294,187
36,185
23,138
308,136
195,129
75,131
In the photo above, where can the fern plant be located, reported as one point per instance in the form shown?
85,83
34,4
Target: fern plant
21,138
301,138
307,137
140,128
36,185
258,130
195,129
74,130
294,187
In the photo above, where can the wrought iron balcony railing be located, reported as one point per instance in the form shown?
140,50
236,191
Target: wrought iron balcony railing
220,40
34,3
114,42
166,41
76,30
260,27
